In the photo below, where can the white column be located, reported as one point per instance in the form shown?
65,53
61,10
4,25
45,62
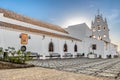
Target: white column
61,48
43,48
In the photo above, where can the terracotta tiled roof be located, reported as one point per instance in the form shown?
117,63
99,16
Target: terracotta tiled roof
18,27
22,18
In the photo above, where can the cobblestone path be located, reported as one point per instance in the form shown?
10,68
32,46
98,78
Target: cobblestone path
109,68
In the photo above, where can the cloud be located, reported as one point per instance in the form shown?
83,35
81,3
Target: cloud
115,13
73,20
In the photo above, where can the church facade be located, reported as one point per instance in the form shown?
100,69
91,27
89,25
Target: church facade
48,40
95,41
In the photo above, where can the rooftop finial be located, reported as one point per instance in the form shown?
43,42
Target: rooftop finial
105,20
98,11
92,23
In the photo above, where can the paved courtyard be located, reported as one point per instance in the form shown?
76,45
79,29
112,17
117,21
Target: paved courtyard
109,68
38,73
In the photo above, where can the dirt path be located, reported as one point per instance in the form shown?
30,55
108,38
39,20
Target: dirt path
38,73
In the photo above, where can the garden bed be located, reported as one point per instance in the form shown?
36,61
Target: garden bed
8,65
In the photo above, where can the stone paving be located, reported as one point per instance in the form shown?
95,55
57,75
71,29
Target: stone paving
109,68
38,73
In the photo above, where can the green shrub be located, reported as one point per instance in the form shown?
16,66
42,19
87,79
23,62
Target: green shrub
5,57
21,57
27,56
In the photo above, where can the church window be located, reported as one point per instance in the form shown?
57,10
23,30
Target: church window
94,47
93,29
98,19
51,47
104,28
65,47
75,48
98,27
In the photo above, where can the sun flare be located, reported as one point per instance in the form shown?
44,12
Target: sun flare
77,20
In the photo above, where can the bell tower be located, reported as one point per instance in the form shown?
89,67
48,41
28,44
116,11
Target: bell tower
99,28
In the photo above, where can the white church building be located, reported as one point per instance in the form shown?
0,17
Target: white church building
50,40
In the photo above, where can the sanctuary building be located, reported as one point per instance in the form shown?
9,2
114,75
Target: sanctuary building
48,40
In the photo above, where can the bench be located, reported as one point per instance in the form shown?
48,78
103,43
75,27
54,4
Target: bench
79,55
54,55
68,55
35,55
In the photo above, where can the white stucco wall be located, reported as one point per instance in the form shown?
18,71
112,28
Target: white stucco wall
88,46
79,31
82,32
10,38
37,44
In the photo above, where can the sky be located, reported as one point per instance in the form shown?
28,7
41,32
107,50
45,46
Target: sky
69,12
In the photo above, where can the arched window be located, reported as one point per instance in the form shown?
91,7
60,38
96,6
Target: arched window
75,48
65,47
51,47
98,19
94,47
104,28
98,28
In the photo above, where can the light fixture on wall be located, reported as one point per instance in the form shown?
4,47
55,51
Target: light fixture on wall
29,37
20,36
72,40
51,40
43,37
104,35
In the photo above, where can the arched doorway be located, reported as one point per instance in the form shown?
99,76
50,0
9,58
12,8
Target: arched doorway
51,47
65,48
75,48
100,56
